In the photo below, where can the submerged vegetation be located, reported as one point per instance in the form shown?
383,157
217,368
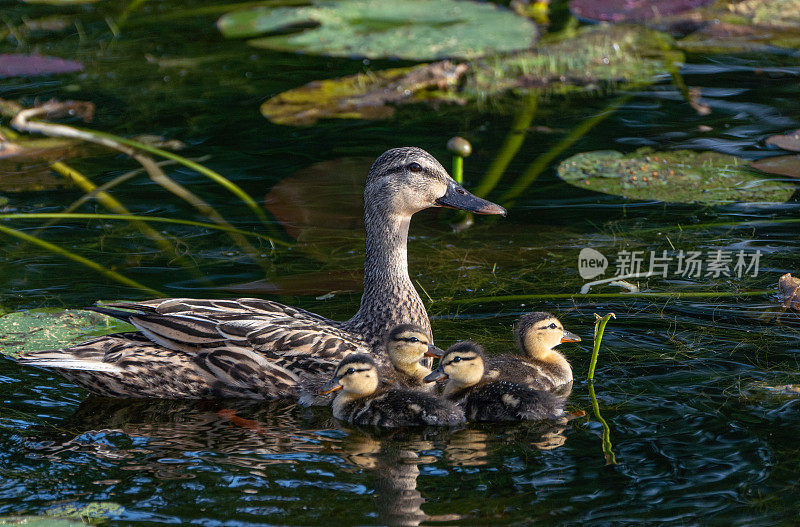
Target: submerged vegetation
134,162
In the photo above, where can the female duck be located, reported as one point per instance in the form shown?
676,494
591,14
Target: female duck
484,399
538,365
258,348
362,402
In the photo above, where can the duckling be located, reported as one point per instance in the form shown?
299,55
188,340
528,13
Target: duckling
484,399
406,346
362,402
537,365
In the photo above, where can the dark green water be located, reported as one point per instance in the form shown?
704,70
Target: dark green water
697,436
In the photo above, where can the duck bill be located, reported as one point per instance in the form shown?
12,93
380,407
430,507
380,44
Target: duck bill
331,387
436,375
457,197
570,337
433,351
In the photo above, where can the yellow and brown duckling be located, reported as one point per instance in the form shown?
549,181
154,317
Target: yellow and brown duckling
406,346
485,399
362,401
537,364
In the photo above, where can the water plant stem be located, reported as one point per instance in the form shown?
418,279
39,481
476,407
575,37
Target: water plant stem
544,160
134,217
611,459
599,329
458,168
511,145
81,260
555,296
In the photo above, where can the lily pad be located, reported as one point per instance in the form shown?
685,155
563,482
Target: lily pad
781,165
631,10
38,521
20,65
43,329
679,176
362,96
412,29
790,141
594,57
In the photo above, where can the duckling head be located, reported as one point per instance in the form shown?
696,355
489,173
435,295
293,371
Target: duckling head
407,180
538,333
463,362
406,345
356,375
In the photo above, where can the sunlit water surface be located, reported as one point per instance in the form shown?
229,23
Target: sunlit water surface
696,434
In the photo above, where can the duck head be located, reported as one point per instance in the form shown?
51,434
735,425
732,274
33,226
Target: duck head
406,345
356,374
538,333
407,180
463,363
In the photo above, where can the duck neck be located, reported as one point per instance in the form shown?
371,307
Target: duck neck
556,364
453,388
389,296
415,371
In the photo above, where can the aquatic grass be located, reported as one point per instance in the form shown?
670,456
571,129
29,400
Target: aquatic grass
608,453
114,205
135,217
543,161
511,145
599,329
108,273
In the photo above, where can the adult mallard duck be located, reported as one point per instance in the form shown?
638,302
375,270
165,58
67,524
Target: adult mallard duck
537,364
485,399
255,348
360,400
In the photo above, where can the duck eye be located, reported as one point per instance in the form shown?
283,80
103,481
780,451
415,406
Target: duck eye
552,325
349,371
457,359
415,167
413,339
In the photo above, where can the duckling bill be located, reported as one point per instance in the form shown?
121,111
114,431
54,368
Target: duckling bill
361,401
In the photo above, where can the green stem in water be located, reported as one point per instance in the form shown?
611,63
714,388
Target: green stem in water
458,169
599,329
134,217
607,452
556,296
81,260
511,145
544,160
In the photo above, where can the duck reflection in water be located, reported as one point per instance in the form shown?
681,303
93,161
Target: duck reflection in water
165,439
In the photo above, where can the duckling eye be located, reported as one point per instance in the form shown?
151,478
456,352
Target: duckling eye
457,359
552,325
349,371
415,167
413,339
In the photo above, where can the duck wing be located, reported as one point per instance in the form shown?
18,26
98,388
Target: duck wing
509,401
275,330
131,365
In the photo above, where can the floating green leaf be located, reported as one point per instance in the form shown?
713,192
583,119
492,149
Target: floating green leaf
680,176
43,329
91,512
412,29
361,96
38,521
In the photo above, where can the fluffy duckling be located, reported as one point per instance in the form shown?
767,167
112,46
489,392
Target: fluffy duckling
406,346
362,402
538,365
484,399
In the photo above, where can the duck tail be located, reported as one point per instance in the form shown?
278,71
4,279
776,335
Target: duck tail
125,316
62,360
